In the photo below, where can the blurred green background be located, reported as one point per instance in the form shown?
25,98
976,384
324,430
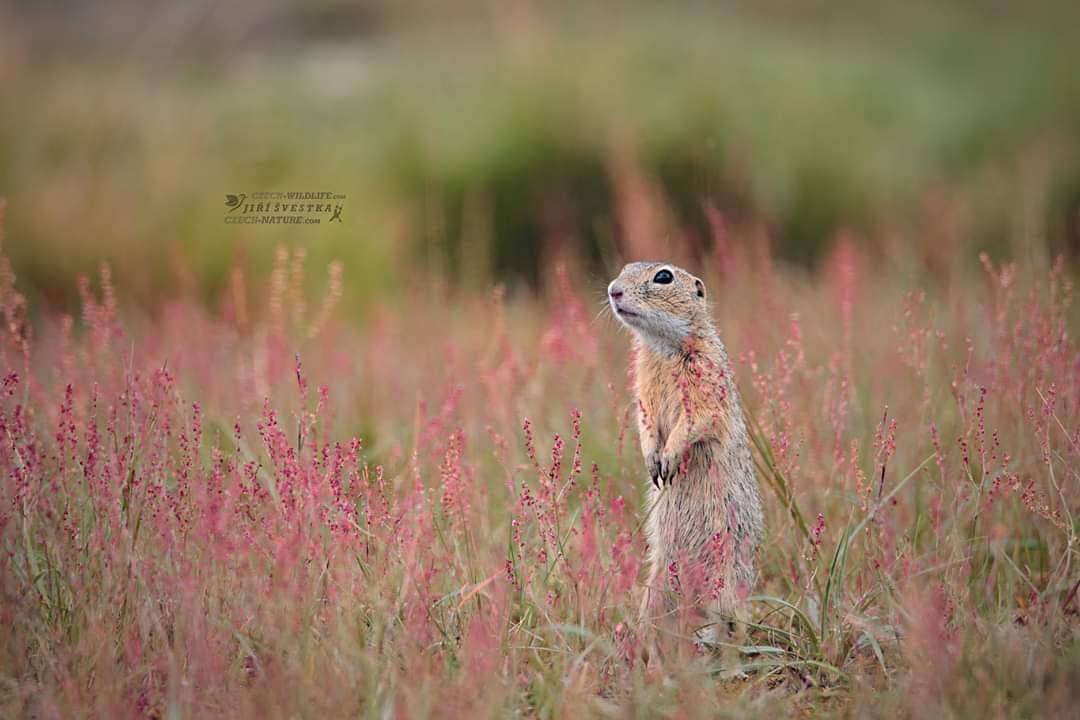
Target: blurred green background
482,142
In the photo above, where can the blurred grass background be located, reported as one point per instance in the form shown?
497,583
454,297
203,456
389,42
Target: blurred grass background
484,142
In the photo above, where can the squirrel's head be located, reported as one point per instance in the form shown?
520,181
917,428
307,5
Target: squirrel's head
660,302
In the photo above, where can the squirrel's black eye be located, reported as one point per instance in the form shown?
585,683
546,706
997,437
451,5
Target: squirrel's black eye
663,277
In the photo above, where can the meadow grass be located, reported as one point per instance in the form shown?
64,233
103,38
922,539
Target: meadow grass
258,509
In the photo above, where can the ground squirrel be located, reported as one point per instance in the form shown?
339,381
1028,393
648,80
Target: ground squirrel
705,520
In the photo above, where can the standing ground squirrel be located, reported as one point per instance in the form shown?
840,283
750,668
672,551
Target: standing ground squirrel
705,519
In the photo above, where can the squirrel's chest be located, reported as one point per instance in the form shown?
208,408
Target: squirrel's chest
662,401
664,413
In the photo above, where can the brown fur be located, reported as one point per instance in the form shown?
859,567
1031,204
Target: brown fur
705,520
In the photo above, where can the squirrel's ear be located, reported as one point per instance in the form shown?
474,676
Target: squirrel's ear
700,288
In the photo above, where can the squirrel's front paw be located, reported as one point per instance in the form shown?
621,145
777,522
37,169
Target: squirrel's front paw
669,467
652,462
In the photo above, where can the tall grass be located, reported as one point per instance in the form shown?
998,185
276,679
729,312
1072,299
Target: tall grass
261,510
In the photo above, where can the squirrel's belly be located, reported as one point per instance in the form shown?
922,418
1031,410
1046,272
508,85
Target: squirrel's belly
688,518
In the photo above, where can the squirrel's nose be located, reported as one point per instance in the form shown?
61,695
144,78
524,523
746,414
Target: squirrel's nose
614,291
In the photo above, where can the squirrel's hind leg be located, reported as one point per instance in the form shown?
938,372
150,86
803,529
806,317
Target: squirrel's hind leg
655,615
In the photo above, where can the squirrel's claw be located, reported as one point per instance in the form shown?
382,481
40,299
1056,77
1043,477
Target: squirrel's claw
669,466
662,468
652,462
